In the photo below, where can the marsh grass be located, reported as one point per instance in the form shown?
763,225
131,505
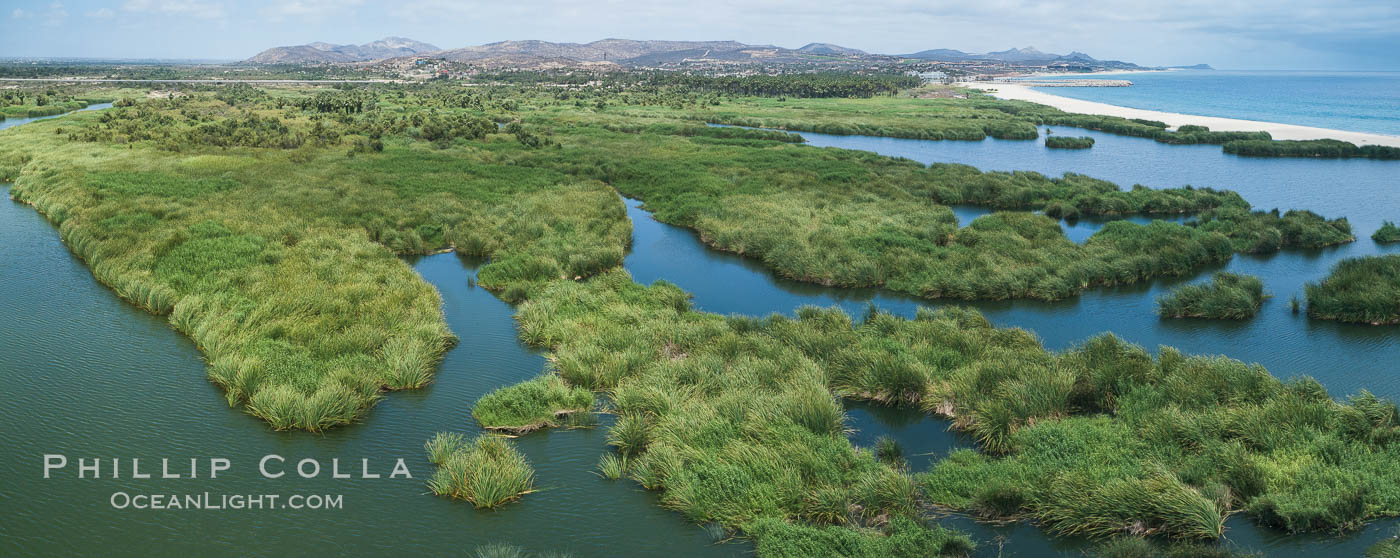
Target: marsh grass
630,435
1361,290
1228,296
488,472
726,421
1388,547
542,402
1069,142
444,445
503,550
280,263
1388,233
1142,547
888,451
1079,441
499,550
611,466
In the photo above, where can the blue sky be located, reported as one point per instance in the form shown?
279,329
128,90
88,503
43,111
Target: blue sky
1253,34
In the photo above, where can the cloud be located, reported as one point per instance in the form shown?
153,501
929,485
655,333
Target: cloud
55,15
20,13
190,8
310,10
102,13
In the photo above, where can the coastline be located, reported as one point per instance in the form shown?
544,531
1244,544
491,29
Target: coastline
1280,131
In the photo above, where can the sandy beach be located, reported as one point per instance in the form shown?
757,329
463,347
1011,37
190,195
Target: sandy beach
1004,90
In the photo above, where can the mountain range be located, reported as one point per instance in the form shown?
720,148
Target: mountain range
1018,55
640,53
388,47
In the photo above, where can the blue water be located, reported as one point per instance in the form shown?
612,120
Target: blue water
1355,101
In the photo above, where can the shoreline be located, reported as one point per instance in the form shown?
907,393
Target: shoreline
1280,131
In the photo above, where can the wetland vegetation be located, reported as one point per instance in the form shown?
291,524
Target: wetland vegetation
1228,296
531,405
1069,142
28,103
267,224
1362,290
1388,233
1325,148
487,471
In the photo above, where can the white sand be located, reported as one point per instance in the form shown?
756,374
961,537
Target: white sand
1005,90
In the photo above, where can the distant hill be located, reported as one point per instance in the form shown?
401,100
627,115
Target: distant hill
1027,55
1192,67
830,49
388,47
620,51
943,54
646,54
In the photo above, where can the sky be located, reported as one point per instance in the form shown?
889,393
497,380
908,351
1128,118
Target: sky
1231,34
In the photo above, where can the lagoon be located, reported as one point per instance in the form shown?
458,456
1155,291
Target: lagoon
91,375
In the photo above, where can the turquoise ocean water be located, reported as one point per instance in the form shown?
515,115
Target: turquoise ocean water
1355,101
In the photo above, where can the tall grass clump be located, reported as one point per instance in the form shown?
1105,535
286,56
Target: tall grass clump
488,471
527,406
1143,547
611,466
1361,290
499,550
1068,142
1388,233
1228,296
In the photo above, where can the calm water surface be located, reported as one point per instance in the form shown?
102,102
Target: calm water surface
1358,101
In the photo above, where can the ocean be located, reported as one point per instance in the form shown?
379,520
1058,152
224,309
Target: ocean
1354,101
